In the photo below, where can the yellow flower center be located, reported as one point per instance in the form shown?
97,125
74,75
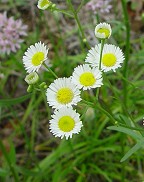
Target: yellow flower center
105,31
65,95
44,3
109,59
37,58
87,79
66,123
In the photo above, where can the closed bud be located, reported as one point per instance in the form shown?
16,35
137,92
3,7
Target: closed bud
43,85
32,78
30,88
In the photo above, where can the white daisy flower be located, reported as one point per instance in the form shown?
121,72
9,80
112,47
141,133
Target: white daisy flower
62,93
86,77
44,4
112,57
103,30
65,122
32,78
34,57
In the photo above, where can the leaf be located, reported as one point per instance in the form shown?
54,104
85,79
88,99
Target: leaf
105,106
9,102
3,172
125,119
132,150
12,153
130,132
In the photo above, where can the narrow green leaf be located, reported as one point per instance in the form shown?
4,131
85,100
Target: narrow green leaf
9,102
12,153
3,172
27,172
132,150
130,132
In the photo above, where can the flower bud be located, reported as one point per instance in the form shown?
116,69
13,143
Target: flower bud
44,4
30,88
43,85
32,78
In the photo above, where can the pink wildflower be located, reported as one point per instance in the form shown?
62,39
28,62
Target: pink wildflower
11,33
99,6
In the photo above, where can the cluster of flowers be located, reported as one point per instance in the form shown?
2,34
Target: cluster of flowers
102,6
11,33
64,93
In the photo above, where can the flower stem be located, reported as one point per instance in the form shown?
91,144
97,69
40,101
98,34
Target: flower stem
78,23
80,6
97,18
102,45
63,11
99,107
50,70
127,49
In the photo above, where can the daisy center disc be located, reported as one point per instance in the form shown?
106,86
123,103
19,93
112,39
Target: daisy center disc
109,60
65,95
87,79
105,31
66,123
37,58
44,3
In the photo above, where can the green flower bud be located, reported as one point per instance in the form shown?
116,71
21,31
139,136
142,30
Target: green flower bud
44,4
53,5
84,40
32,78
142,16
30,88
43,85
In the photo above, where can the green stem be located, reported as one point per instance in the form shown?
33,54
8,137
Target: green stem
97,18
80,6
11,166
102,46
117,96
125,69
98,106
50,70
63,11
78,23
127,49
123,152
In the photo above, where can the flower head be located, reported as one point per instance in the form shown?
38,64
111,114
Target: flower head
103,30
112,57
65,122
34,57
11,34
44,4
62,93
86,77
32,78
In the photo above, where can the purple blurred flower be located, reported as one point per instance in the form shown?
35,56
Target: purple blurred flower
11,33
99,6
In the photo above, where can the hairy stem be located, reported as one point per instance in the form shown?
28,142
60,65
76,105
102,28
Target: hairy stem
127,49
50,70
78,23
102,45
